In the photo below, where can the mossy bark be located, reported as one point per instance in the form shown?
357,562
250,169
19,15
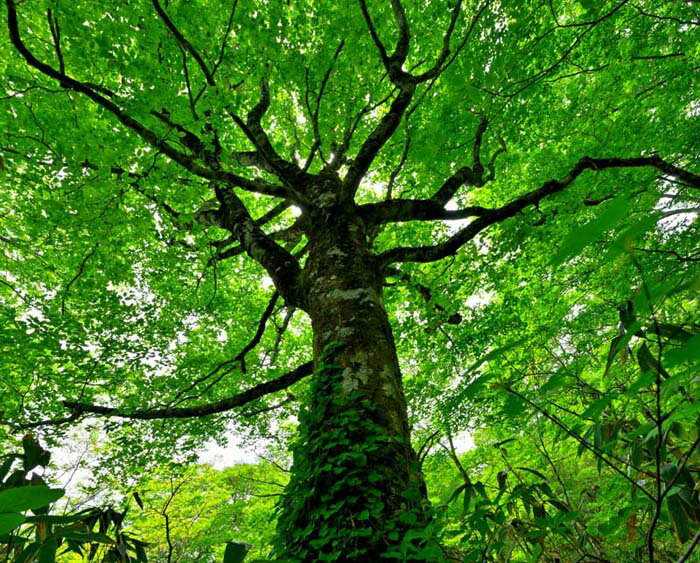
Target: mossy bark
356,485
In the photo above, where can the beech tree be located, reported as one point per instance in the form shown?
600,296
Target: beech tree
206,203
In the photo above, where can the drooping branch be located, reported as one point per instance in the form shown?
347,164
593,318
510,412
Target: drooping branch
229,403
496,215
183,42
151,138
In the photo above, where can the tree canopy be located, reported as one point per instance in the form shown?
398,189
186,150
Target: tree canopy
348,233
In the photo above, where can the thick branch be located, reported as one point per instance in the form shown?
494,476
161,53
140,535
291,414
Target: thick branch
223,405
491,216
378,138
253,129
399,210
462,176
280,265
253,159
290,234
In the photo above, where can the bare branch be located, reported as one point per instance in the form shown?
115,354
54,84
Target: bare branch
281,266
497,215
400,210
183,42
238,400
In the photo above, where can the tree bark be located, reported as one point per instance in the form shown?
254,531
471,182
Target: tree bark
356,485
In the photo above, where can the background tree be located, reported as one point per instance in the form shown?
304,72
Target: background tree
165,164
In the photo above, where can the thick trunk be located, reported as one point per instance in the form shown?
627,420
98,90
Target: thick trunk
356,486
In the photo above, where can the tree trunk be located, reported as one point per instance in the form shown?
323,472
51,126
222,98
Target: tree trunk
356,485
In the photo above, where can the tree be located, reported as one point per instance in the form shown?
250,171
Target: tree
155,153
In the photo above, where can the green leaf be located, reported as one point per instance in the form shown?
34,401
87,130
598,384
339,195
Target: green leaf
47,552
20,499
73,534
138,500
534,472
582,236
688,353
9,521
647,362
680,518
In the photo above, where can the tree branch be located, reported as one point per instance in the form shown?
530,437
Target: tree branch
378,138
223,405
286,171
316,110
490,216
183,42
442,58
400,210
280,265
125,119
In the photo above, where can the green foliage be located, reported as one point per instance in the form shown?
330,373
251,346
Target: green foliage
565,340
202,510
75,532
